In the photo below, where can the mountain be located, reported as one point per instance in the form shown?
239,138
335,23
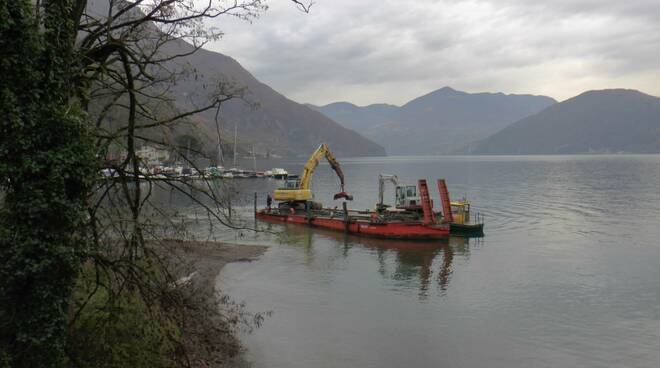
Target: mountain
277,124
263,117
436,123
615,120
356,117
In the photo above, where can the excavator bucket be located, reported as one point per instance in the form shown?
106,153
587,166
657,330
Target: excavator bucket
344,195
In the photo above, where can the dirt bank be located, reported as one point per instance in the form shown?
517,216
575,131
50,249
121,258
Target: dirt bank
196,265
208,258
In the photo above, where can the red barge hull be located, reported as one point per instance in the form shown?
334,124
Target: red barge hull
413,230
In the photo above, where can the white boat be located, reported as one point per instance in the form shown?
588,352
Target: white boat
279,173
238,173
214,171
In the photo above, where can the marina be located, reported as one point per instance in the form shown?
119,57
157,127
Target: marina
156,172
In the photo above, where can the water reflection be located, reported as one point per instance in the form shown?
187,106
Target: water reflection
408,263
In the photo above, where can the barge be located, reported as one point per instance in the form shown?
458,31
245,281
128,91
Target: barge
390,224
362,223
411,218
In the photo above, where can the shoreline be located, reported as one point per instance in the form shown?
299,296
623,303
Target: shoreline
208,258
198,264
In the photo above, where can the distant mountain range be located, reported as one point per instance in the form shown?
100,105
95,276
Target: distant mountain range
606,121
443,121
440,122
358,118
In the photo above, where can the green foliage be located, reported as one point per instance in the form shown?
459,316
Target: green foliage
119,330
46,169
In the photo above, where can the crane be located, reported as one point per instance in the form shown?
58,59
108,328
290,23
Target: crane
297,189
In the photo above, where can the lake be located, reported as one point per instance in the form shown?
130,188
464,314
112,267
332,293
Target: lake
567,275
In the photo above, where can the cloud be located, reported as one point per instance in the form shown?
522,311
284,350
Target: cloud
392,51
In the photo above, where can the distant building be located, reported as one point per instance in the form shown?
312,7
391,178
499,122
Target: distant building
151,155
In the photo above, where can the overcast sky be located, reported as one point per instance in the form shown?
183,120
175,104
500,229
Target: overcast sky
370,51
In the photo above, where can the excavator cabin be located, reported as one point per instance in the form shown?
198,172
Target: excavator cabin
407,197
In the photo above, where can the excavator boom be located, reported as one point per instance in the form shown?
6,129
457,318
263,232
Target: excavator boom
303,192
382,178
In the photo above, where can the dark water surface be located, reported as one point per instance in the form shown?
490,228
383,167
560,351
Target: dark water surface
568,274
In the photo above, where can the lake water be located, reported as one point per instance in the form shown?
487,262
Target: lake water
567,275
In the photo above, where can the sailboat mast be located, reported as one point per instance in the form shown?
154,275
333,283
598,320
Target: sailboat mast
254,159
188,158
235,141
221,159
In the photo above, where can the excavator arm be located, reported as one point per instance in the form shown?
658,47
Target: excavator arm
303,191
313,162
382,178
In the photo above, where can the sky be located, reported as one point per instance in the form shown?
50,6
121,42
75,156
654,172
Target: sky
392,51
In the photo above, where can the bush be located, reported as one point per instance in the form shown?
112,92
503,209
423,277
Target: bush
116,328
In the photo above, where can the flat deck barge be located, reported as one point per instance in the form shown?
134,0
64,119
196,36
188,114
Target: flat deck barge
363,223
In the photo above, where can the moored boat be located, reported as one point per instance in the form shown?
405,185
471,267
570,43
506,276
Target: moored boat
277,173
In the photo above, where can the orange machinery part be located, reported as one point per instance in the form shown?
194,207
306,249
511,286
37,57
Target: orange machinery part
427,207
444,198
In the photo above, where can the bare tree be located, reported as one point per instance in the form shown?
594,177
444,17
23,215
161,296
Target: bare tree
121,59
132,57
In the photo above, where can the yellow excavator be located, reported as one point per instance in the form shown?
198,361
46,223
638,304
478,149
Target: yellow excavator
296,191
